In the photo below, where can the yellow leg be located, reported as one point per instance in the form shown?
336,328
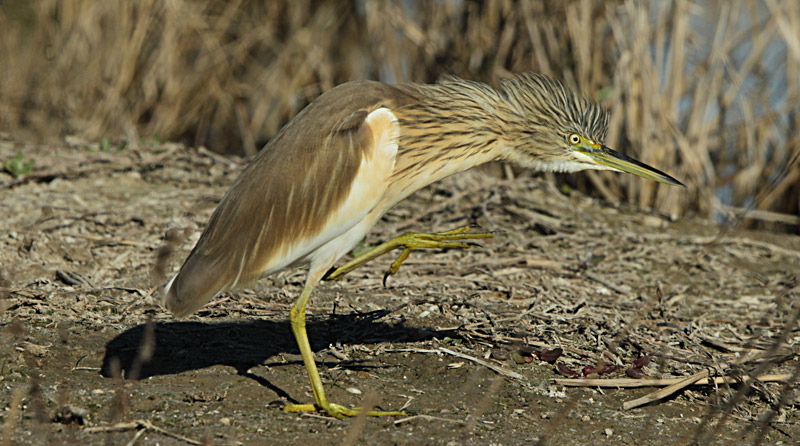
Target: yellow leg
298,319
409,242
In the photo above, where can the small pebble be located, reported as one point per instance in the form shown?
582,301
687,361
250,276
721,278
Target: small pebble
354,391
226,421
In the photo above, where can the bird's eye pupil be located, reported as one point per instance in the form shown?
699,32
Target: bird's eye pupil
574,139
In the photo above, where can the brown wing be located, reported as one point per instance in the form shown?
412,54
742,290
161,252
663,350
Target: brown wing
284,195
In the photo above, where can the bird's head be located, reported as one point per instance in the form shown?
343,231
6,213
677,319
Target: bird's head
562,132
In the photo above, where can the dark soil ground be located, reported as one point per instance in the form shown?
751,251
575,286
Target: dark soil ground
79,239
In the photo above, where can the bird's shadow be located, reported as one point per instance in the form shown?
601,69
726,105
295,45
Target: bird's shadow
176,347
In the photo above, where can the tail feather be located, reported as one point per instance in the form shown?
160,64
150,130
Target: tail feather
198,281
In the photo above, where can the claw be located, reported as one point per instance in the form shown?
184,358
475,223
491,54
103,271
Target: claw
386,276
329,273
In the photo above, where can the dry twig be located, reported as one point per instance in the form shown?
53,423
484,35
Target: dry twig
663,393
140,424
501,370
426,417
633,383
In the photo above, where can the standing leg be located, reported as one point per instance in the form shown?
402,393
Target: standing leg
298,319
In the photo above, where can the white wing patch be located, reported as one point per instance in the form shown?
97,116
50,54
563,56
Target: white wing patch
346,226
369,186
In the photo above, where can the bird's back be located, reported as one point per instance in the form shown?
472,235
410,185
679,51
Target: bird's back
285,195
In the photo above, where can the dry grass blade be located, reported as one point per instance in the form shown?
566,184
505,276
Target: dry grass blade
358,424
15,407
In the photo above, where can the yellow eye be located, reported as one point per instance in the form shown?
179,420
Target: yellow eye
574,139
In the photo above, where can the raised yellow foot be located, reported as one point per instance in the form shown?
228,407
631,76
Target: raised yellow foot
409,242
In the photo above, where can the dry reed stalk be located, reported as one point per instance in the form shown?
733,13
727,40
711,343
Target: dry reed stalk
708,91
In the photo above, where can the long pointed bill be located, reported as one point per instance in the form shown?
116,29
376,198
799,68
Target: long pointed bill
619,161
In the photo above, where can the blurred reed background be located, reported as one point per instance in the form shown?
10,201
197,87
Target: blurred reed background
708,91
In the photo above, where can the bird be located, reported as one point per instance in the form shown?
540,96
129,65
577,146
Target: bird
329,175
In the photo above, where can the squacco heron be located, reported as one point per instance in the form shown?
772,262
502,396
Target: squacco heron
330,174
